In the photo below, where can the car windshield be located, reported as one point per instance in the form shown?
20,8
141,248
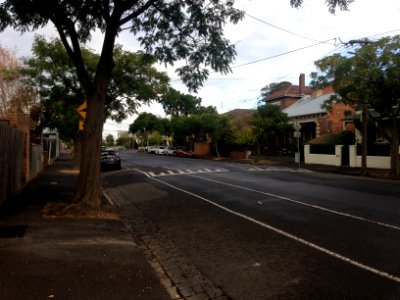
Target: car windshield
108,152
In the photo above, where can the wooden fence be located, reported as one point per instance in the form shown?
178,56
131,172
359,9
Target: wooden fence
11,159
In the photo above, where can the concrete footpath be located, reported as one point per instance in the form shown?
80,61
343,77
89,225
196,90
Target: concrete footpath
46,258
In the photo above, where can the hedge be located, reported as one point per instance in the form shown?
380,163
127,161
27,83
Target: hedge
322,149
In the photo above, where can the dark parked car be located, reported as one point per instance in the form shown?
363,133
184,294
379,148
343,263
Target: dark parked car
110,159
183,152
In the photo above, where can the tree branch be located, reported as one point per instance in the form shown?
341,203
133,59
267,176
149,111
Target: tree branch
137,12
106,10
58,18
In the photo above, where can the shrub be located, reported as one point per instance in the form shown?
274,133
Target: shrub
325,139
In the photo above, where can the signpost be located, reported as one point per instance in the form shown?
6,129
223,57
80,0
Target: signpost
297,134
82,111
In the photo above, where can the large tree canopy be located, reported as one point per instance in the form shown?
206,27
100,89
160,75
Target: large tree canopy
147,122
268,123
173,30
370,78
177,103
51,74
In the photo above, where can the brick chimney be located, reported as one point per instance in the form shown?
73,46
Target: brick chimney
302,83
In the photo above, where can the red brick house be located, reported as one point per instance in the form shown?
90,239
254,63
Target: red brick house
315,120
289,95
303,105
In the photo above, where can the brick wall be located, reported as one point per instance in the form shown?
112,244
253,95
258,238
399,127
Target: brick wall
336,118
287,102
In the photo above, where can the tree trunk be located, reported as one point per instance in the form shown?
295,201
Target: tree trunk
364,140
217,149
88,192
77,154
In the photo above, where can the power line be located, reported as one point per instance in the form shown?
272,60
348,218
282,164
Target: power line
270,57
281,54
390,31
282,29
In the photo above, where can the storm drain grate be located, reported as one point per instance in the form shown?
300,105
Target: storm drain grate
12,231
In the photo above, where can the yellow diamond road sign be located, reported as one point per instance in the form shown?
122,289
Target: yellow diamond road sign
82,109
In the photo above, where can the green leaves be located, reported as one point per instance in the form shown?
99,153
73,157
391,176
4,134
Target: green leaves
332,4
177,103
370,75
174,30
369,78
53,75
269,122
191,31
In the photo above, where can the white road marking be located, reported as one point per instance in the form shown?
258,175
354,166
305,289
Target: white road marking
182,172
278,169
305,204
288,235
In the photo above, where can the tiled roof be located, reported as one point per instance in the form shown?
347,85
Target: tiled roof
308,105
239,112
290,91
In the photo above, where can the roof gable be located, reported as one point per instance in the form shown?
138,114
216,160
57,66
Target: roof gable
239,112
290,91
308,105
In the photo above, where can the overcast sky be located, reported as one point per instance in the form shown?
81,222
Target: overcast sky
270,29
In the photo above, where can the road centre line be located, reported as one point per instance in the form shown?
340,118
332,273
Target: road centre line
286,234
343,214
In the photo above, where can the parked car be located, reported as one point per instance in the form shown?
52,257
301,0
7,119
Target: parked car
151,149
169,150
183,152
160,150
110,159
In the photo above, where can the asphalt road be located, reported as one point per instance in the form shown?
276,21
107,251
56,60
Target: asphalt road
264,232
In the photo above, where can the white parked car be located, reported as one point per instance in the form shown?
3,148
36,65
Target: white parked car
160,150
169,150
152,149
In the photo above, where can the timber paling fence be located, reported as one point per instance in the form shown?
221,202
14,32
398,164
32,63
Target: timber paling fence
11,157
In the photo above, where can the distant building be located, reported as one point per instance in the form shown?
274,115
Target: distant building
303,105
122,133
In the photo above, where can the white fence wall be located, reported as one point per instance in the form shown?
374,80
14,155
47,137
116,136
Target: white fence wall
375,162
323,159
